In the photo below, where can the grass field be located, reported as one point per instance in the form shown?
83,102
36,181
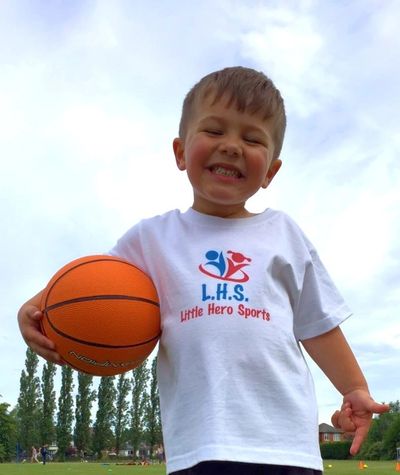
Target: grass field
350,467
79,469
339,467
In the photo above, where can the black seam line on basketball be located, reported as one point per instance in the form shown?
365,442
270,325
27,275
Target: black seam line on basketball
105,258
100,345
100,297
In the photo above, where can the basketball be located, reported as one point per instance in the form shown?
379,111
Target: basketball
103,315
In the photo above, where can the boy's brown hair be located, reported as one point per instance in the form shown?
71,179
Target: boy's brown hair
249,90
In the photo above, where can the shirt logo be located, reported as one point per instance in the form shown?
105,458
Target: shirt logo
228,267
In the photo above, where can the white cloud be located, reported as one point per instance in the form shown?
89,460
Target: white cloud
90,97
286,41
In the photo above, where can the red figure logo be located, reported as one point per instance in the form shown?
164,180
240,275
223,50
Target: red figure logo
228,268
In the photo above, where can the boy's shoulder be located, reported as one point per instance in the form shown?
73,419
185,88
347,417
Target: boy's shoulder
282,219
171,215
288,231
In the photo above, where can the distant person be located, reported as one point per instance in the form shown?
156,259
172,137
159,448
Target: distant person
160,454
43,453
240,294
34,455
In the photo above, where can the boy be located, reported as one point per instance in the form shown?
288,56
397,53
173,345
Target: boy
238,292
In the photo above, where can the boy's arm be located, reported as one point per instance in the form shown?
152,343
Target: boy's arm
29,317
333,355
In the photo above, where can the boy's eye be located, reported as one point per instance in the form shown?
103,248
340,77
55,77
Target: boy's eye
253,140
213,131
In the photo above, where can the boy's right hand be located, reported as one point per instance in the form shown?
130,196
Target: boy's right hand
29,317
355,416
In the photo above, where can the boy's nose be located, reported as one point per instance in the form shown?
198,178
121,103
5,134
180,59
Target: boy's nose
231,147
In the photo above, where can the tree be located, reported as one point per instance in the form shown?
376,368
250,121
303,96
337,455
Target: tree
65,412
7,433
84,400
384,435
103,436
139,383
121,410
47,429
153,418
391,437
29,403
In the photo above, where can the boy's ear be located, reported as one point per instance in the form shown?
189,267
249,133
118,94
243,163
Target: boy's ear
179,152
272,171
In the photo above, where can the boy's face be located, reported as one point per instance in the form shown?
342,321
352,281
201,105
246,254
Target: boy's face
228,156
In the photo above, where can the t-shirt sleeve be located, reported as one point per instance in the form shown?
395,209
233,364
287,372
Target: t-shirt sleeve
320,307
129,247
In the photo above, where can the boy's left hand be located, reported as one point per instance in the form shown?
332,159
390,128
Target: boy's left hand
355,416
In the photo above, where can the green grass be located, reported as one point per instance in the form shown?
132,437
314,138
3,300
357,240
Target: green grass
79,469
350,467
339,467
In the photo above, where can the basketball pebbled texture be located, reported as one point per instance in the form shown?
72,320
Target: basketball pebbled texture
102,313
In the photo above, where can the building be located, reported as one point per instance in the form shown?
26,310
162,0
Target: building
328,433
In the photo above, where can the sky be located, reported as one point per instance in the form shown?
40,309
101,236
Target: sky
90,100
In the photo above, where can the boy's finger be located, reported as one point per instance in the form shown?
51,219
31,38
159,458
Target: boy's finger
359,437
377,408
347,425
44,342
47,354
36,314
345,405
342,420
33,337
335,419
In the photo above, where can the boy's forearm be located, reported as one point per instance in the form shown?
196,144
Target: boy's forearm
334,356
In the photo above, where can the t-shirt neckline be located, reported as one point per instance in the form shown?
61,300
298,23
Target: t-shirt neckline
205,219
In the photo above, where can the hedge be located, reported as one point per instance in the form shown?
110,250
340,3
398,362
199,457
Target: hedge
336,450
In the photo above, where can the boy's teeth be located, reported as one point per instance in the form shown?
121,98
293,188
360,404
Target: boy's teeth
225,172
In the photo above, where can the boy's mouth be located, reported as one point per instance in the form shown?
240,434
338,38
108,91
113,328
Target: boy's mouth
224,171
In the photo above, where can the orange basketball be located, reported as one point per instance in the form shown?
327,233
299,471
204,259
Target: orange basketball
103,315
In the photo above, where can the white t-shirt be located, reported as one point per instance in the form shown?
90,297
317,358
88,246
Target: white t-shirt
236,297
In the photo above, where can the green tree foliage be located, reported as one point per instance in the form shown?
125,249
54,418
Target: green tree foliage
84,400
103,437
384,436
391,438
28,414
152,413
7,433
121,410
48,407
139,382
65,412
129,412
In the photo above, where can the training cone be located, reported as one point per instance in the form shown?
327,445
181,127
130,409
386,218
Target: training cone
398,467
361,465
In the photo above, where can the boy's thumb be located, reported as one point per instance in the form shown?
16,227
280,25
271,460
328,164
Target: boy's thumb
377,408
35,313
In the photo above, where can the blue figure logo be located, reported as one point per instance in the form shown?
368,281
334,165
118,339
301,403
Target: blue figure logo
229,267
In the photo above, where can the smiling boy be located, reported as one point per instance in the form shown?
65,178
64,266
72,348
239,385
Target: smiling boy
236,394
228,156
229,149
